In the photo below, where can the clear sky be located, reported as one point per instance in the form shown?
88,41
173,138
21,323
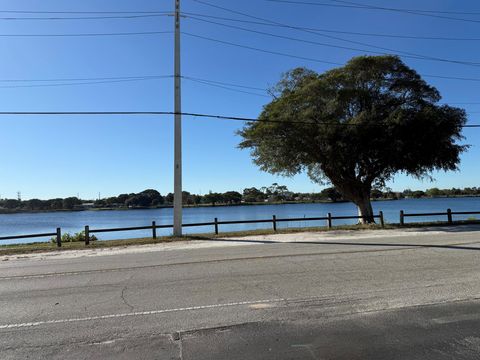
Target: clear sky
45,157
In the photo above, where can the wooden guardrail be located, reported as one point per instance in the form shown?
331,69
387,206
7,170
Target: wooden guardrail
57,234
449,214
216,224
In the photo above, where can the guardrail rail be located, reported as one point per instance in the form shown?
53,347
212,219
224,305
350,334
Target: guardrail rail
216,224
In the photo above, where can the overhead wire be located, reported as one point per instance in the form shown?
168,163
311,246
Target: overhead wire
108,80
104,80
451,77
406,54
85,78
226,83
261,50
407,11
120,80
354,5
85,17
284,1
323,35
402,53
362,6
263,23
226,87
82,12
89,34
189,114
289,26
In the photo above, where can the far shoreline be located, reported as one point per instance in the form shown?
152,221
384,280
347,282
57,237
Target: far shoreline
21,211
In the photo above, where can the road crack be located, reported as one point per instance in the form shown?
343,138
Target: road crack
177,338
122,296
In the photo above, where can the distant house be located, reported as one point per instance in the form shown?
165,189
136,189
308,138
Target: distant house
84,206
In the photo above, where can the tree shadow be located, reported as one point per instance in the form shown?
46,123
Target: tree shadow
389,245
452,228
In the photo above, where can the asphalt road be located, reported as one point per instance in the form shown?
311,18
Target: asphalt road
375,296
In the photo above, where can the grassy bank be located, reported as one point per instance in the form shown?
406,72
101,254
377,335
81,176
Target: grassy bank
18,249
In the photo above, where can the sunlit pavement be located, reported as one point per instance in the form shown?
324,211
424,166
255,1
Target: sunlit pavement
394,296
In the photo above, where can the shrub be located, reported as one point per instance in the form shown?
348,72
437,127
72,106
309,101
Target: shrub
77,237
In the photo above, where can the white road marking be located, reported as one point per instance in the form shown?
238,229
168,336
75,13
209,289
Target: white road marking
260,306
456,318
67,273
139,313
104,342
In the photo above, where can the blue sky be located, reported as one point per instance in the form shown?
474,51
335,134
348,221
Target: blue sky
47,156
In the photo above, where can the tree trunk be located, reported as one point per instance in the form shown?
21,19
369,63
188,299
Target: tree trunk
365,209
359,193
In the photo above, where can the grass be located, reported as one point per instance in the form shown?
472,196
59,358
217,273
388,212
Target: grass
18,249
48,246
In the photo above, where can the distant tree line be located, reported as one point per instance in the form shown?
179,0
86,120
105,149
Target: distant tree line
35,204
436,192
273,194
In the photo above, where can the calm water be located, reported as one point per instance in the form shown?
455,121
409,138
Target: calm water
17,224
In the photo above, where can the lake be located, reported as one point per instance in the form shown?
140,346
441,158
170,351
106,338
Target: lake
31,223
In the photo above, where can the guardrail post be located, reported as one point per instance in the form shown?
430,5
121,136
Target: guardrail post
216,226
154,230
329,220
59,237
382,220
87,235
449,216
274,222
402,218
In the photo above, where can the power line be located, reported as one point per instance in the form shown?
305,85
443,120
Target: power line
197,115
219,84
260,50
265,90
226,83
100,80
363,6
313,59
132,77
323,35
89,34
407,11
86,78
105,80
451,77
410,37
82,12
84,83
85,17
432,76
406,54
284,1
349,4
465,103
222,117
213,84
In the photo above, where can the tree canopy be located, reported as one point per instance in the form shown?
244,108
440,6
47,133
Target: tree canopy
356,127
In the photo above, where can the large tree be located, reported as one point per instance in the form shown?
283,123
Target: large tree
356,127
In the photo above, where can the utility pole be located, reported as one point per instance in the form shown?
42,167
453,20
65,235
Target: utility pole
177,199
